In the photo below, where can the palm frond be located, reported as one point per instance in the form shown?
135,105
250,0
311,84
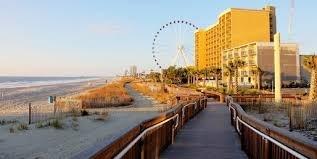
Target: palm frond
310,62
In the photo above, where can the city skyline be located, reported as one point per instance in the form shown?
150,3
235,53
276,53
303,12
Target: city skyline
77,38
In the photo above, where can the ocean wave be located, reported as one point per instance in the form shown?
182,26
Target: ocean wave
17,82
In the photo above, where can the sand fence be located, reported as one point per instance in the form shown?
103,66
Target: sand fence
300,114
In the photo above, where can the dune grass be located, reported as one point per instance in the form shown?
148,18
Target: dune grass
113,94
155,92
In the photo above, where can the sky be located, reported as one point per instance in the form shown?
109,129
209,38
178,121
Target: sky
104,38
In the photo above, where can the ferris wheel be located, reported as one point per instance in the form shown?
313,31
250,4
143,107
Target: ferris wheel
173,44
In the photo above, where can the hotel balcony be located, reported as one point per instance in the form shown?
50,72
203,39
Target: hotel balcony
251,52
251,63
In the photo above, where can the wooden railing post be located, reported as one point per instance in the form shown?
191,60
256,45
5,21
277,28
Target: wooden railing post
142,148
266,149
173,130
30,113
221,98
157,146
183,117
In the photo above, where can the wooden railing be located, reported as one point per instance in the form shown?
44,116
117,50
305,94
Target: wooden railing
214,94
151,137
262,140
264,98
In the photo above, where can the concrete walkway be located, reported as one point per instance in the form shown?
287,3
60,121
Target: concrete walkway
208,135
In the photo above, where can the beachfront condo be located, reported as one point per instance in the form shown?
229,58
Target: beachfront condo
261,55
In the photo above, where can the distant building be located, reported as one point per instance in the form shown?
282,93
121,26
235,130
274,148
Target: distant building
261,55
304,73
126,72
234,27
133,71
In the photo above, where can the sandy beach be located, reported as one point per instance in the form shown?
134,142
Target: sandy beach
14,104
68,142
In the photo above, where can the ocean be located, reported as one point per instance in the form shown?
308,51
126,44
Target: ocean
20,81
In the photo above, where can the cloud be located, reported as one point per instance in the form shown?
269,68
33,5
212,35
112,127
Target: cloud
107,29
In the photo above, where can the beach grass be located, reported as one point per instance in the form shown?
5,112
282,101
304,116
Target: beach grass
157,93
110,95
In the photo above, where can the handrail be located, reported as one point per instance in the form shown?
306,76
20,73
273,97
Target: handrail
213,93
286,148
234,112
131,144
233,108
142,135
150,137
183,109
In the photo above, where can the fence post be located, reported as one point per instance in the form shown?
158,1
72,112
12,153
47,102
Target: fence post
259,108
54,108
30,113
290,118
178,99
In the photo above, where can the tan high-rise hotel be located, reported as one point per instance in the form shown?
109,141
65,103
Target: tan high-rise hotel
234,27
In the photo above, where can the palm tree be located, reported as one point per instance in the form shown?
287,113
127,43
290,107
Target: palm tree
258,74
190,74
310,63
170,74
181,75
205,73
196,73
235,66
154,76
216,72
229,72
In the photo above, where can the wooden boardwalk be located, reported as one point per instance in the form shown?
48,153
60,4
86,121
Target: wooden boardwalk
208,135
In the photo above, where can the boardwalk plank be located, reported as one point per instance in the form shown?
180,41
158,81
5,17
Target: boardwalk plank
208,135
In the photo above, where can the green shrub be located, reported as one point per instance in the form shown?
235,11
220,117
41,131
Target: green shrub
243,91
40,125
96,113
103,116
5,122
84,113
74,112
223,90
75,125
74,118
43,124
22,126
230,92
209,88
57,124
12,130
192,86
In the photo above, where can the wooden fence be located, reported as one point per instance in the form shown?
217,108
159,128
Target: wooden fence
63,107
151,137
300,113
261,140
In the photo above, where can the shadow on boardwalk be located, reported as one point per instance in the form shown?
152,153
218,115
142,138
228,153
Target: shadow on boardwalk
208,135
